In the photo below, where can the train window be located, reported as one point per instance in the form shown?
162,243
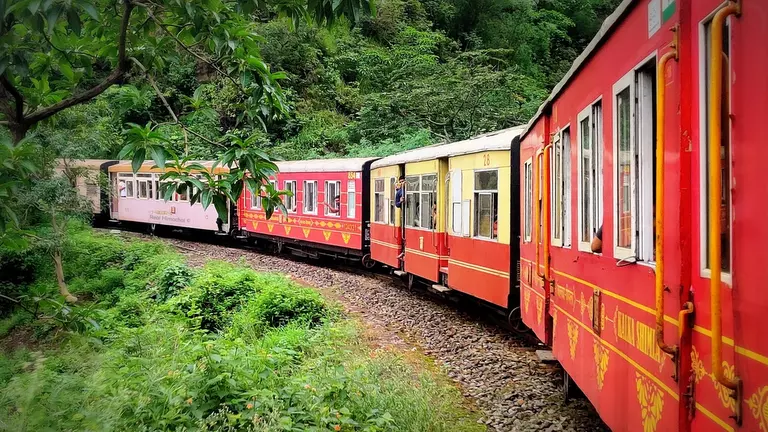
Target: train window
378,200
412,204
256,199
429,201
143,186
486,204
725,151
456,212
310,197
528,183
332,198
590,173
351,201
158,195
183,195
561,189
635,155
125,185
392,194
290,200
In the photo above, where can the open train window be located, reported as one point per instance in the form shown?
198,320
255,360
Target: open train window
125,185
590,173
378,200
561,188
725,149
332,198
144,186
351,201
256,199
310,197
528,183
421,201
392,194
486,196
290,200
634,174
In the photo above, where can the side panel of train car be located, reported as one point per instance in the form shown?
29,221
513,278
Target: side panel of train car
87,177
328,209
136,198
620,147
386,220
479,225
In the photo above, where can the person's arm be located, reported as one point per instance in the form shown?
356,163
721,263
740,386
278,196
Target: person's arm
597,241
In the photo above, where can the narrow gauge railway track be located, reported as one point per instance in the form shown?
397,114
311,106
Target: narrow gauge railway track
496,369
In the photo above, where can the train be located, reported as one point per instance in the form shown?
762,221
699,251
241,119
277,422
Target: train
631,248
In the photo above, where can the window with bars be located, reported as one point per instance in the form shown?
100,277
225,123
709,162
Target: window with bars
420,201
310,197
378,200
590,173
528,184
561,189
351,199
290,200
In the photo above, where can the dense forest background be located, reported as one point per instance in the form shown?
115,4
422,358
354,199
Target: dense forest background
416,73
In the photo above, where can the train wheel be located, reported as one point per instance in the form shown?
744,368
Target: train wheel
515,320
368,262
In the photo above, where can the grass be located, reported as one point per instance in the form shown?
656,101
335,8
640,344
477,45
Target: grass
162,347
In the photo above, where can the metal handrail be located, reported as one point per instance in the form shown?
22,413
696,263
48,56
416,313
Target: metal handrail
660,129
545,207
715,246
537,211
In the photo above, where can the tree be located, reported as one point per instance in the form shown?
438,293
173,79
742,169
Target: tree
62,53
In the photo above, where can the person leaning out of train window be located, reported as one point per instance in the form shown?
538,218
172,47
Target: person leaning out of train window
495,226
400,192
434,215
336,206
121,188
597,241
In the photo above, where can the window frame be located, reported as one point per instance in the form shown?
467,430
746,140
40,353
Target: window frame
379,218
564,240
326,208
304,198
146,180
290,205
596,183
528,200
704,34
127,178
391,201
419,193
256,200
626,82
476,194
351,199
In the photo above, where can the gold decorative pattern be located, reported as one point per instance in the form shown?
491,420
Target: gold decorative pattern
758,404
583,305
601,362
527,298
591,309
306,232
651,402
539,310
346,237
698,366
255,226
724,392
573,338
615,327
602,317
287,229
270,226
327,235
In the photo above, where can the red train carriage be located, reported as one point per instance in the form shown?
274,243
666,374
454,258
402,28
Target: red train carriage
655,136
455,224
327,213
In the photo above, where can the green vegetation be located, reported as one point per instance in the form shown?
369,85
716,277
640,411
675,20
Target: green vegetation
160,346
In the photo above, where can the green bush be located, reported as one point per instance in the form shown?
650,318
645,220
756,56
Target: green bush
277,305
173,279
218,291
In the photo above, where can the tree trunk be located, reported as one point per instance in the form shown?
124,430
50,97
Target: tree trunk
63,290
18,132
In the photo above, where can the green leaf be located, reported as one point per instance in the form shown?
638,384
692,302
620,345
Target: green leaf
138,159
66,69
206,198
126,151
73,20
33,6
158,155
52,17
90,10
221,207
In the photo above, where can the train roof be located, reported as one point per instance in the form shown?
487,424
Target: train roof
323,165
148,166
492,141
82,163
606,29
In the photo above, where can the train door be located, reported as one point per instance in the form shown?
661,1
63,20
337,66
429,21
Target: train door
729,358
113,196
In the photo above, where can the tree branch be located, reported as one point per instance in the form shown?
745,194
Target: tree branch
16,95
113,78
189,50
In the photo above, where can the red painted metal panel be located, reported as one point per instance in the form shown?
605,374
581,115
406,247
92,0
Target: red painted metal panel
386,243
340,231
480,268
423,249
